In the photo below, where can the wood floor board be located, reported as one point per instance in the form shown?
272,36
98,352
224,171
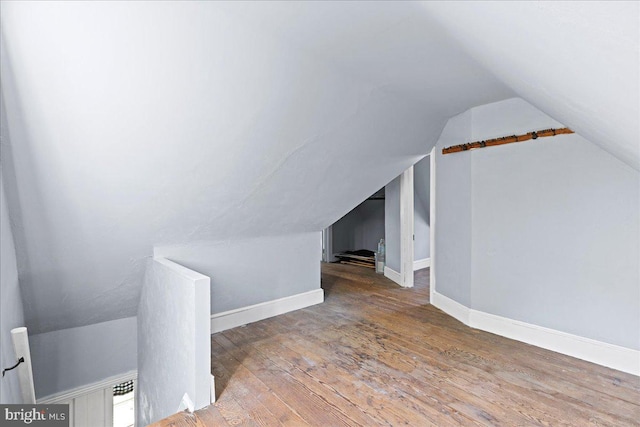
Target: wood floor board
525,378
377,375
409,366
247,391
212,417
376,354
339,377
313,406
323,380
587,397
558,363
182,420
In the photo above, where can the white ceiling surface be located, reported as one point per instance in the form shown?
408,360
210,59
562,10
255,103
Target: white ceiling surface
579,62
131,125
390,44
137,124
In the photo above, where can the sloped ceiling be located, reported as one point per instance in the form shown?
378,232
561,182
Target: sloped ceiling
579,62
134,124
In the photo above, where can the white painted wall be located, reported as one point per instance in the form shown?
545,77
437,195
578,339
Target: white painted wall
407,208
92,404
392,224
421,184
596,43
361,228
137,125
453,213
146,108
73,358
174,341
245,272
421,243
11,315
554,235
93,409
327,245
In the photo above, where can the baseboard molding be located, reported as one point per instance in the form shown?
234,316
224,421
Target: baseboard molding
605,354
253,313
392,275
451,307
419,264
89,388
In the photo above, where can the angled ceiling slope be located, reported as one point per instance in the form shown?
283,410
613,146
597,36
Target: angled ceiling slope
579,62
135,124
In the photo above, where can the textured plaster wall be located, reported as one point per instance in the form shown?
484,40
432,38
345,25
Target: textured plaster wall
144,124
174,341
244,272
453,213
578,61
421,190
392,224
71,358
11,315
554,236
137,125
421,224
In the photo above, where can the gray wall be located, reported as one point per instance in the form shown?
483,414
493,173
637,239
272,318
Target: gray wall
362,228
593,89
70,358
90,198
11,315
453,213
251,271
555,226
421,173
392,224
174,341
421,182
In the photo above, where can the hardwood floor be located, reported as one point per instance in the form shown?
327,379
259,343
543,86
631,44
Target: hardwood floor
376,354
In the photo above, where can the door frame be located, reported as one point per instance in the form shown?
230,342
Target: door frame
432,222
406,228
407,233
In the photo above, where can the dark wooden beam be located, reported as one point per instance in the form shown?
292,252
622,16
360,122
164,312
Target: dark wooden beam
505,140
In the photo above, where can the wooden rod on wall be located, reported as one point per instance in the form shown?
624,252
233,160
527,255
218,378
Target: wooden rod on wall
505,140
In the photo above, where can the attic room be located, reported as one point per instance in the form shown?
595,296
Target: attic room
168,169
358,238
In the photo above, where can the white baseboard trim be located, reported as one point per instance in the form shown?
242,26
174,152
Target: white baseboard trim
451,307
392,275
605,354
419,264
89,388
253,313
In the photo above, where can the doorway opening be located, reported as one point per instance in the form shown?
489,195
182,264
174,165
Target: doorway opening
124,404
404,217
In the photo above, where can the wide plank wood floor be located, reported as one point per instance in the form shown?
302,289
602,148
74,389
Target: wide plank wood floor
375,354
